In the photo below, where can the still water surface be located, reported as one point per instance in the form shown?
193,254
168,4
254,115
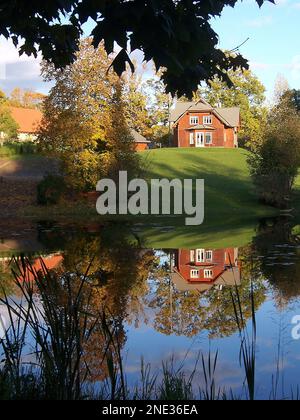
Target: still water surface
177,302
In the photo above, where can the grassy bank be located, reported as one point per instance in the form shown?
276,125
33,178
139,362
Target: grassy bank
229,191
231,206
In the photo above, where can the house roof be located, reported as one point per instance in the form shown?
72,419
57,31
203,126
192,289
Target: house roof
229,116
182,107
230,277
138,138
27,119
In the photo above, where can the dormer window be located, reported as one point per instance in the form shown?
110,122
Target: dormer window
194,120
207,120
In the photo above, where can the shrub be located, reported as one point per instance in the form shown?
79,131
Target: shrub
274,166
50,190
16,148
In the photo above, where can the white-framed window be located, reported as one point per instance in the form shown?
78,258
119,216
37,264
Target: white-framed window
192,255
200,255
208,138
208,256
192,138
207,119
194,120
208,274
194,274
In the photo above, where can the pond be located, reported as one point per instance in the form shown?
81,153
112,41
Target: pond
177,304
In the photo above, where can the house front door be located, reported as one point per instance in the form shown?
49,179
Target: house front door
199,139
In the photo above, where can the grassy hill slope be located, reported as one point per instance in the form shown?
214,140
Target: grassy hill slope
229,191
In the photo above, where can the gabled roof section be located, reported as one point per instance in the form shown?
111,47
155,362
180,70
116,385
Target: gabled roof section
138,138
179,110
230,277
229,116
182,107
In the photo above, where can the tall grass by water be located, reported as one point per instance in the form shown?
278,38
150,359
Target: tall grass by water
53,323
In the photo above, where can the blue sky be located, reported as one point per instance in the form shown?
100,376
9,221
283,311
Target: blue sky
272,48
273,32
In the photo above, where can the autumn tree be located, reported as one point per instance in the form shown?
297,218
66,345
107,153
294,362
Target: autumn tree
274,165
25,98
148,105
120,144
247,93
136,101
160,110
76,116
8,126
3,97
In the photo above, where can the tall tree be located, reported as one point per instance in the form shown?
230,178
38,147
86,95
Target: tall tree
248,93
120,154
3,97
280,88
76,115
85,124
136,101
176,34
275,164
26,98
160,109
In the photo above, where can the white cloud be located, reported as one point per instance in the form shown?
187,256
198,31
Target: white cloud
21,71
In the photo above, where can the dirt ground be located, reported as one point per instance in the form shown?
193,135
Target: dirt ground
15,194
18,181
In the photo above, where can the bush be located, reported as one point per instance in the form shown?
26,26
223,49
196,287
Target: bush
275,164
50,190
15,148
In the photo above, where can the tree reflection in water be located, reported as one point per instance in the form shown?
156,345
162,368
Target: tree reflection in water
185,291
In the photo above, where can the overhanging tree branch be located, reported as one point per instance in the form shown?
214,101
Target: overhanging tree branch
175,34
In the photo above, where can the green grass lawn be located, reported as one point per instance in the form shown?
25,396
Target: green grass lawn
232,210
229,191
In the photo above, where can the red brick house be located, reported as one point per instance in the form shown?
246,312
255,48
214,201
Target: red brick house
201,269
198,124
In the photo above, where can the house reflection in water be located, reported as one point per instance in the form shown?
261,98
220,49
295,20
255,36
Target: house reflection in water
48,262
203,269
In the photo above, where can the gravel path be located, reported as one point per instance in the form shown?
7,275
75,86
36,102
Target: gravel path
29,167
